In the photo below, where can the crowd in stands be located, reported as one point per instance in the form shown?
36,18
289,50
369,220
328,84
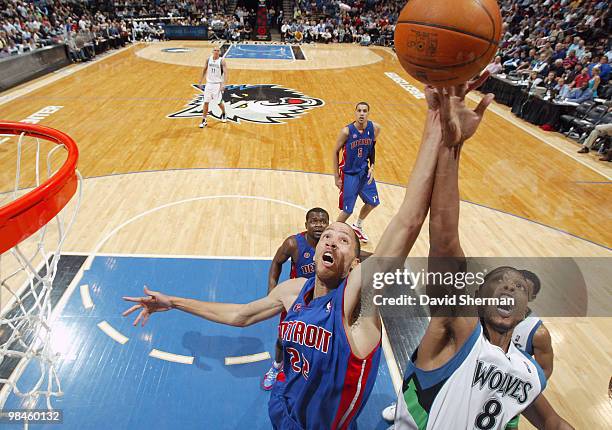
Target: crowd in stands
560,49
561,46
364,22
25,26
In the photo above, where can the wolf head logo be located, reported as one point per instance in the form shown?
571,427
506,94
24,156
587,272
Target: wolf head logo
263,104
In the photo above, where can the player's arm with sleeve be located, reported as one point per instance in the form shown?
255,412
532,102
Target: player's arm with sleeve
340,141
543,350
283,253
542,416
234,314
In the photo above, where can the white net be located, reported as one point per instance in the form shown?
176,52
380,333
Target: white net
27,273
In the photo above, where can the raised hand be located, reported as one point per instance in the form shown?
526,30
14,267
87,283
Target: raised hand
154,302
458,122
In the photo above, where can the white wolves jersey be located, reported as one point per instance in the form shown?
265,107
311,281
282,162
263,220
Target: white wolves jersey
522,336
214,74
480,388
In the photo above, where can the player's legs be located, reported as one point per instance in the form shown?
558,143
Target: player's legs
222,106
220,102
269,378
369,195
348,196
343,216
204,113
212,94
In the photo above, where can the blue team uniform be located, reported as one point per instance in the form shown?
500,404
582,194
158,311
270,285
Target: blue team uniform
304,266
324,385
354,169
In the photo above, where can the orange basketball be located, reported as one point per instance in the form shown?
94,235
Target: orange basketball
442,42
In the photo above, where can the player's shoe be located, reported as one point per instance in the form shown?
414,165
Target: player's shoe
203,123
269,378
360,233
388,413
223,118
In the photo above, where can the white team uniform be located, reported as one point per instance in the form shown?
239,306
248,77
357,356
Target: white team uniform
214,79
480,388
522,336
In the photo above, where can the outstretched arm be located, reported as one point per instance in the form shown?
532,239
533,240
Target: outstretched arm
283,253
239,315
447,332
543,416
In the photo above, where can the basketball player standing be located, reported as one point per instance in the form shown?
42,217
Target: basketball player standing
354,172
216,74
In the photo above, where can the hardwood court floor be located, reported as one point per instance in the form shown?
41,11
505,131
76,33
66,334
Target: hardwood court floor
117,109
244,213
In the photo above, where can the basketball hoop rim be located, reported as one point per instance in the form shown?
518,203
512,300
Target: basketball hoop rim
24,216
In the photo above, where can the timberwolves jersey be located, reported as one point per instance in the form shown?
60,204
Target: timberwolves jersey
304,266
325,385
480,388
214,74
357,149
522,336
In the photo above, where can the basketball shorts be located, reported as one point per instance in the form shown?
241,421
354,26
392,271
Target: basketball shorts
357,185
513,423
213,93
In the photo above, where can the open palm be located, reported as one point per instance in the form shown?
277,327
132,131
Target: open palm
458,122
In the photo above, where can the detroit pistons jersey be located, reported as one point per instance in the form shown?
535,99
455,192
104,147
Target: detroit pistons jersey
304,267
325,385
523,333
214,73
480,388
357,149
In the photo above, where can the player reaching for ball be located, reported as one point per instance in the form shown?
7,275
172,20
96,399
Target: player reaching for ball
331,334
466,372
216,73
300,248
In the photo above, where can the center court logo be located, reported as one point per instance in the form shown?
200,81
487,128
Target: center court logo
263,104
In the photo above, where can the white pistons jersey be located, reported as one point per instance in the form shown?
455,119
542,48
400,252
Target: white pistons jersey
523,333
480,388
214,73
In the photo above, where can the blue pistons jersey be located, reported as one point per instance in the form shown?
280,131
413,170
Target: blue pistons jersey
323,385
357,149
304,267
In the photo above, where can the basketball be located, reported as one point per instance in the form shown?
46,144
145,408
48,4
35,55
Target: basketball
442,43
